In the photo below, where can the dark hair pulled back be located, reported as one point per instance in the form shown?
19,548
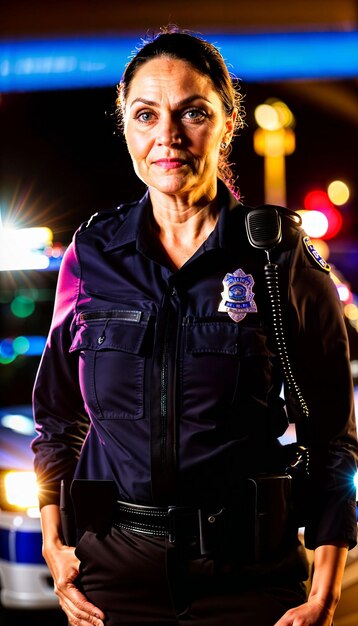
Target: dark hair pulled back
202,56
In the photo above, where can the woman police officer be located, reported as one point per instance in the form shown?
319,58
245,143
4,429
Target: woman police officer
161,379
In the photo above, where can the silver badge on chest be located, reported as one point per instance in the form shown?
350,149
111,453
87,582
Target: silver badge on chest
238,297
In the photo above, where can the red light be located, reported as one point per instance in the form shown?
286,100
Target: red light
318,200
334,222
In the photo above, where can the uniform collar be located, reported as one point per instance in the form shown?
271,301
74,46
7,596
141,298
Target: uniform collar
132,221
227,202
134,224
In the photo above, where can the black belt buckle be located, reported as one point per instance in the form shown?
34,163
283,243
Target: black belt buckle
171,523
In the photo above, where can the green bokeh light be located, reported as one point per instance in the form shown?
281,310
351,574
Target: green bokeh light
21,345
22,306
7,360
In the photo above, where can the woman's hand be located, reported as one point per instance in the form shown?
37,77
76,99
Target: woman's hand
312,613
329,562
64,567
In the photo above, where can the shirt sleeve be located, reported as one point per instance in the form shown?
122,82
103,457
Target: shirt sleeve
320,359
60,417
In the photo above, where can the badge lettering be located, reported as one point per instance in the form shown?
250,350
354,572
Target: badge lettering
238,297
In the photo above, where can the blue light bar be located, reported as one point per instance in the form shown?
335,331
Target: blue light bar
98,62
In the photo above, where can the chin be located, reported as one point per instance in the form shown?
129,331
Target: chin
175,186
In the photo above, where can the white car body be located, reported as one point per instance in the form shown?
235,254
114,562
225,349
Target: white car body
25,581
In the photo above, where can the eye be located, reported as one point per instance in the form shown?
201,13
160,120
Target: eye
195,115
144,116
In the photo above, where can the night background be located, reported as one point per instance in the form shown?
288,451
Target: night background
62,157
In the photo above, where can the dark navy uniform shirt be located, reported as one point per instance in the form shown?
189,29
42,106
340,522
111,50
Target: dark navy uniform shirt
145,382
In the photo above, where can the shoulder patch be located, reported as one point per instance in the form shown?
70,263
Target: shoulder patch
315,255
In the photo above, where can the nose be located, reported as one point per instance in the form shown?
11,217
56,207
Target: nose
168,131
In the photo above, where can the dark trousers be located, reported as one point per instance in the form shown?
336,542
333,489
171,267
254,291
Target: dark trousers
141,580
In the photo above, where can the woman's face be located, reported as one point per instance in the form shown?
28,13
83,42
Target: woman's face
174,122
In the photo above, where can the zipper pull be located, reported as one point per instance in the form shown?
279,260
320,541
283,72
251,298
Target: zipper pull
102,337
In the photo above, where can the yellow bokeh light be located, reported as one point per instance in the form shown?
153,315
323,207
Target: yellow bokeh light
21,489
267,117
285,115
322,248
351,311
338,192
274,143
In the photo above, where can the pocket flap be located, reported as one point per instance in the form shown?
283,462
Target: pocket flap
211,337
110,330
225,338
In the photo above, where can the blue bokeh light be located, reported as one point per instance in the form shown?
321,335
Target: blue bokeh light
85,62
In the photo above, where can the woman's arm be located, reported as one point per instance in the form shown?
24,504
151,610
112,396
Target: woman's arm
319,353
60,417
65,567
320,356
62,425
329,563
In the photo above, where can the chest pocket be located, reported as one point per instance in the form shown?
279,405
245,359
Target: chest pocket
111,346
226,359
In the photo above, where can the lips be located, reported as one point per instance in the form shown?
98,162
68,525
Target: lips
170,164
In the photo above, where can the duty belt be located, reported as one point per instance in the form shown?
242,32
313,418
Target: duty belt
261,512
173,522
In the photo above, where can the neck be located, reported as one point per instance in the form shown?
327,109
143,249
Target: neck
187,214
181,225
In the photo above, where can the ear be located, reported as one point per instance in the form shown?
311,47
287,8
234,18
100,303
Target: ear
230,125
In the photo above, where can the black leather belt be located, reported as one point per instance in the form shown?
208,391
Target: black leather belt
262,508
172,522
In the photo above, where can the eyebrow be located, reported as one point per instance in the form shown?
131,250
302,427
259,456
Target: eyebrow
177,105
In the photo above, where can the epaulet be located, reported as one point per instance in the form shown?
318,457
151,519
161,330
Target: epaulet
98,216
314,255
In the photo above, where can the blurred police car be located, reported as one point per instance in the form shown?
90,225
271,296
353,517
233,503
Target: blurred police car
25,581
